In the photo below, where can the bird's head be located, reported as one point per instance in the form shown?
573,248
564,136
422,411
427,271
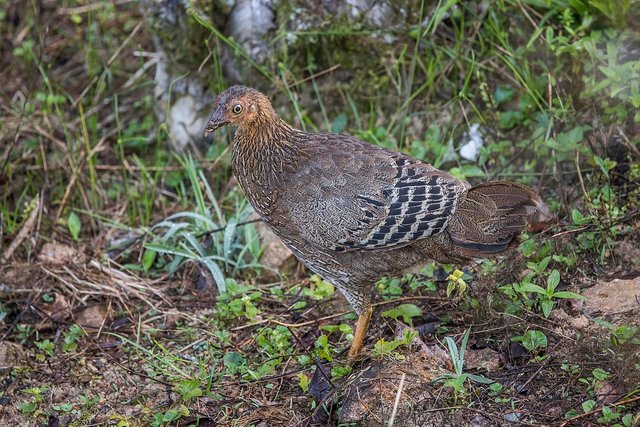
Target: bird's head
239,106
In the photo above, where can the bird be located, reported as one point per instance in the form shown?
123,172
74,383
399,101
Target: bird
354,212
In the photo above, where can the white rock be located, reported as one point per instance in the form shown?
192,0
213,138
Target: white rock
472,142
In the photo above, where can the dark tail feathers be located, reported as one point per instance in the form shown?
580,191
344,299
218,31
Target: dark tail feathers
491,218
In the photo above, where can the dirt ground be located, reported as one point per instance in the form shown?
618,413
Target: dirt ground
131,385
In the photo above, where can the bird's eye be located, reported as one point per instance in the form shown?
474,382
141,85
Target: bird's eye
237,108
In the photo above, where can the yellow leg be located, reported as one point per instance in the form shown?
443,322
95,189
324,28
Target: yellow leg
360,332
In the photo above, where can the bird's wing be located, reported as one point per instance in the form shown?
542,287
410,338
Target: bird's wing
370,198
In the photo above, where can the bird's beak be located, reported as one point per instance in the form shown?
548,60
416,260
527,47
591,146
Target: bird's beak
215,121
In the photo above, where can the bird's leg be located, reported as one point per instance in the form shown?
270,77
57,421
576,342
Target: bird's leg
360,332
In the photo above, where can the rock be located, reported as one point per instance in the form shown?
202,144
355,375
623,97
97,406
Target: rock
513,417
179,41
612,297
580,322
628,253
482,359
58,254
188,69
249,23
11,355
275,255
171,317
92,317
608,393
480,420
57,310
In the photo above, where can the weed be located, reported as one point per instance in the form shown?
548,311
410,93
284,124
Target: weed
238,300
188,389
46,348
70,340
533,340
531,294
383,348
31,407
621,334
406,311
458,379
456,282
170,416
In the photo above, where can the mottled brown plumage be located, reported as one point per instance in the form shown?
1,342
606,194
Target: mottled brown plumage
353,212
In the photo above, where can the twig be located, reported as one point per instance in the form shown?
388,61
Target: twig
535,374
397,401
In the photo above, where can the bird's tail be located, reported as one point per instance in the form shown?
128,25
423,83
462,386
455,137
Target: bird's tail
491,218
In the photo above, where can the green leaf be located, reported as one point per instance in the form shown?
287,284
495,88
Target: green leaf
546,305
532,339
340,371
322,345
568,140
188,389
303,381
406,311
531,287
588,405
567,294
148,259
578,218
339,123
502,94
382,347
63,407
600,374
233,360
627,420
509,119
481,379
28,407
74,225
552,281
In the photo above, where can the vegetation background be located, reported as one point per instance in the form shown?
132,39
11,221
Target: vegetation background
133,282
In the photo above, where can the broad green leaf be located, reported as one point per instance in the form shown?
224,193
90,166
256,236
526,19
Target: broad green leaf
546,305
406,311
588,405
531,287
567,294
578,218
480,379
532,339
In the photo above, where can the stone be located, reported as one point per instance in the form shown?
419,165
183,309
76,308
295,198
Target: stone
11,355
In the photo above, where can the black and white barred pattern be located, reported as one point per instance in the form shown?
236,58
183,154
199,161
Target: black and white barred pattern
416,206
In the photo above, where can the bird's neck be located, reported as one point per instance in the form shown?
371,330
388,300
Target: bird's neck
264,154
